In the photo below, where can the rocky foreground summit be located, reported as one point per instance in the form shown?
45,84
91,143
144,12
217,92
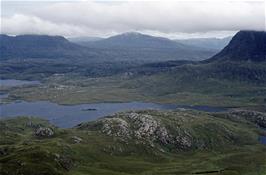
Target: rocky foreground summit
179,142
176,131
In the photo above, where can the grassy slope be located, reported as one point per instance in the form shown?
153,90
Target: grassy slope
101,154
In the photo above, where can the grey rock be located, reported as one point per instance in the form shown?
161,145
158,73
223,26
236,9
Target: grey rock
115,127
44,132
76,139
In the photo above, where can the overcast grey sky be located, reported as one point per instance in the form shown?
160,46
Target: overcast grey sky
173,19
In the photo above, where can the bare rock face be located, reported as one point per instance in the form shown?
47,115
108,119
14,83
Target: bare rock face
148,128
145,125
115,127
184,141
44,132
143,129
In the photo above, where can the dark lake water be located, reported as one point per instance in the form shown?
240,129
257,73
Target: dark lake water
11,83
69,116
262,139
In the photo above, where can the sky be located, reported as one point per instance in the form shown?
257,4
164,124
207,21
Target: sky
173,19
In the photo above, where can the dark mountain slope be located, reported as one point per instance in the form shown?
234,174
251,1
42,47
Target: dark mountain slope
244,46
242,59
39,46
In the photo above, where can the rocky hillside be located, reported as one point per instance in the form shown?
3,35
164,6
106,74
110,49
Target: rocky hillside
171,131
144,142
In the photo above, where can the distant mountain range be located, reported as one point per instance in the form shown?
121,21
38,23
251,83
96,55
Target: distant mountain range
136,40
207,43
124,47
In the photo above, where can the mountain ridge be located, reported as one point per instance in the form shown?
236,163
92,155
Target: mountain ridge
39,46
127,47
135,40
244,46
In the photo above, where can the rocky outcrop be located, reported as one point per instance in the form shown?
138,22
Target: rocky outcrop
144,128
148,128
44,132
170,131
115,127
76,139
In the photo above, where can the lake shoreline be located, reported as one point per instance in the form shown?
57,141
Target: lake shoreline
70,115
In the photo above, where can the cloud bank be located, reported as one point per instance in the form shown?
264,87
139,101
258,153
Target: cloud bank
168,18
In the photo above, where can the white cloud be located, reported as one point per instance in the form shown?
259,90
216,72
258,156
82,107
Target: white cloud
23,24
169,18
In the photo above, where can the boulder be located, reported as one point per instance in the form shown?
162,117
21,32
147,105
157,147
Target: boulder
44,132
76,139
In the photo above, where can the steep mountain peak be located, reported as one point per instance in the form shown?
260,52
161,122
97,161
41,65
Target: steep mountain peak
244,46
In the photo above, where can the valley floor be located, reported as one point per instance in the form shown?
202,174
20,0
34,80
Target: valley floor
69,90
